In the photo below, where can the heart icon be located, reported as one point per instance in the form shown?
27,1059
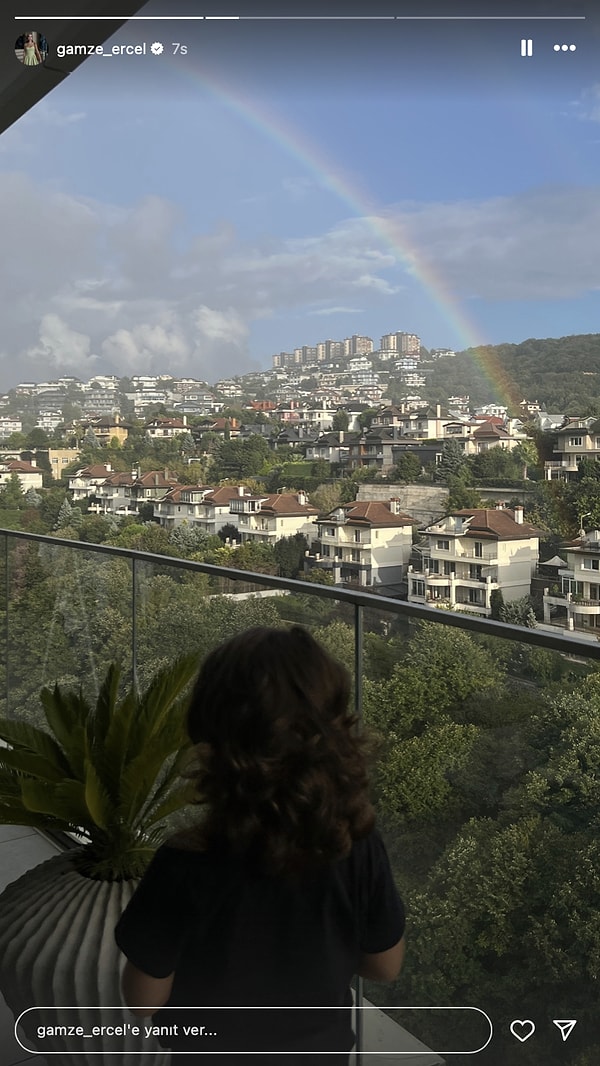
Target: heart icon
522,1029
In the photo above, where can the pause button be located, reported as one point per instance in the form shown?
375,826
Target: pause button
526,46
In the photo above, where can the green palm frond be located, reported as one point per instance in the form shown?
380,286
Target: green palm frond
30,764
67,714
110,771
21,735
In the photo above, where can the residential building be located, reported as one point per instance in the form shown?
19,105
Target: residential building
367,542
9,425
105,427
469,553
59,458
29,474
200,506
574,601
578,438
270,517
166,428
85,481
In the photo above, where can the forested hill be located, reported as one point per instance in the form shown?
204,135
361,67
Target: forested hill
562,374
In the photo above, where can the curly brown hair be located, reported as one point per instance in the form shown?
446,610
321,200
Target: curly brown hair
280,766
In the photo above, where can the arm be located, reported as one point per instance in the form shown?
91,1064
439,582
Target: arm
144,994
383,965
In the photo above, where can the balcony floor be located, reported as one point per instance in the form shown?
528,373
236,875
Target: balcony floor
21,848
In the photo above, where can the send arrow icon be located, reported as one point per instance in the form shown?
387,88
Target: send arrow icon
566,1026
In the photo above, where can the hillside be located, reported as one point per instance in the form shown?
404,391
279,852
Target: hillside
562,374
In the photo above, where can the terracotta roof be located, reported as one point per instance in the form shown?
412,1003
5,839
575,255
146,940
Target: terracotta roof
174,494
286,503
20,466
119,478
226,493
154,479
95,470
373,513
497,524
491,429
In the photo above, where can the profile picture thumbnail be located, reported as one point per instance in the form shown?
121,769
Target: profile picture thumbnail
31,48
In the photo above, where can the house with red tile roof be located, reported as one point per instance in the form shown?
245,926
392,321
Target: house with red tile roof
367,543
469,553
199,506
29,474
85,480
270,517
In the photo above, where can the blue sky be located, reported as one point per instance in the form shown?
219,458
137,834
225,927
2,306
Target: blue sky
281,185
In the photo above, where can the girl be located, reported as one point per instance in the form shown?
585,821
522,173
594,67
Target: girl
31,53
283,891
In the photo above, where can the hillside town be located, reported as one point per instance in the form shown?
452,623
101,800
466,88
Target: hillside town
331,449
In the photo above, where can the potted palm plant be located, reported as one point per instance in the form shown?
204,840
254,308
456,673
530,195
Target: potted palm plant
108,772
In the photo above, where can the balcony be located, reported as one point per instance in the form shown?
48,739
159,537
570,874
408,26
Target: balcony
463,722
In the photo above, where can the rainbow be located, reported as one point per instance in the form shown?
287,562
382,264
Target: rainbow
391,233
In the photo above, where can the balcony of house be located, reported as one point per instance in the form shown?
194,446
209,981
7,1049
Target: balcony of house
94,604
555,469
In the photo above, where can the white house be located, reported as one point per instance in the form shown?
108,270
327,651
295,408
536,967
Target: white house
29,474
575,603
470,553
270,517
367,542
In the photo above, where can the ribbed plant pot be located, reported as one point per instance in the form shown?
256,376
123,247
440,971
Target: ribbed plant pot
57,949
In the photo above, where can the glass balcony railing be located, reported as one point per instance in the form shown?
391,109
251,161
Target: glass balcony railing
485,771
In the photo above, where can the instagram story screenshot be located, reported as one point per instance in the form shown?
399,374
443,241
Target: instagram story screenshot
300,533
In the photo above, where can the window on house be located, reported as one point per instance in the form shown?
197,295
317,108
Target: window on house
475,573
449,568
418,588
443,545
575,442
591,564
355,555
478,549
475,597
357,536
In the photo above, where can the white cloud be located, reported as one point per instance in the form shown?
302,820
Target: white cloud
91,284
336,311
587,107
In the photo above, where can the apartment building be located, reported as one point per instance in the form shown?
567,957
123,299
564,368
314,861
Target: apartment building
578,438
200,506
367,543
469,553
574,601
270,517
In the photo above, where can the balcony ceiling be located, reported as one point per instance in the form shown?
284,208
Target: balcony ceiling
21,88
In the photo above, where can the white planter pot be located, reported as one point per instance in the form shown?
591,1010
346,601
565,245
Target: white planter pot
57,949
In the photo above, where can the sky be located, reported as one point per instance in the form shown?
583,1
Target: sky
284,183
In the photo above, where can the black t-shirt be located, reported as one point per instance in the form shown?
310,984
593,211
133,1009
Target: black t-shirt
238,938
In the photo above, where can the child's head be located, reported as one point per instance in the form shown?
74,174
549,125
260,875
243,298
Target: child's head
282,768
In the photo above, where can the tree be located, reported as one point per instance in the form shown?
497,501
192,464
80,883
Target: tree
239,459
289,554
229,532
496,603
63,519
90,440
327,496
452,461
518,613
496,462
460,495
340,420
408,468
12,496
